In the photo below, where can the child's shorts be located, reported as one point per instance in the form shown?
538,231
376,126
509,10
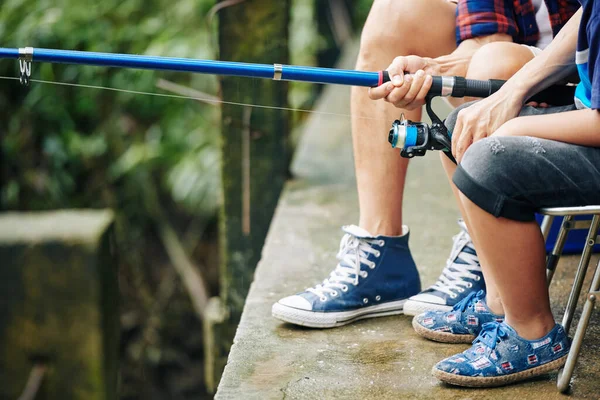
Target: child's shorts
512,177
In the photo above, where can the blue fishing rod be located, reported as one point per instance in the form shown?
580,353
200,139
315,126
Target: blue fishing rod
412,138
441,86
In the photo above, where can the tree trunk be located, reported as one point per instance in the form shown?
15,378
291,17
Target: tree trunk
254,156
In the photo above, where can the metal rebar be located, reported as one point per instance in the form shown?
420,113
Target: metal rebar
33,382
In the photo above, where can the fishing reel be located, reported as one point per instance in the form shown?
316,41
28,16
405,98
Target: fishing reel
414,139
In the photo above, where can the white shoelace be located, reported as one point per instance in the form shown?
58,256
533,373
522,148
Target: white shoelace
453,278
353,252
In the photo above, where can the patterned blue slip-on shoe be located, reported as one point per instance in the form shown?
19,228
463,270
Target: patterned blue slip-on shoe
461,276
374,277
499,356
461,325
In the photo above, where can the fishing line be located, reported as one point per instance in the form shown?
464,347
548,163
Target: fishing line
203,99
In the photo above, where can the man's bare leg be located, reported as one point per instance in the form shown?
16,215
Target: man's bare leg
393,28
499,60
463,274
353,290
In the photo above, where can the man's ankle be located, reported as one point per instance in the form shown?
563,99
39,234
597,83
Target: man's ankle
382,228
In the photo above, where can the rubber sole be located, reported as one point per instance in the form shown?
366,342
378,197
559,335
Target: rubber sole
478,381
314,319
443,337
413,307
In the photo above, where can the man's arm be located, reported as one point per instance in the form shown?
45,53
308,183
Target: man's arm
478,22
457,62
409,91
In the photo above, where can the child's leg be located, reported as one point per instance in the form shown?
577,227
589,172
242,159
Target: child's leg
502,181
513,253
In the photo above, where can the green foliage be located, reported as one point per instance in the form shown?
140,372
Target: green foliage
60,139
360,12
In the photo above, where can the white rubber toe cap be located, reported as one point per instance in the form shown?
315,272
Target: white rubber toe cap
296,301
428,298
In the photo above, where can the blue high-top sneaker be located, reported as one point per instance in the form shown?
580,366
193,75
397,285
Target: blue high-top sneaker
461,276
374,277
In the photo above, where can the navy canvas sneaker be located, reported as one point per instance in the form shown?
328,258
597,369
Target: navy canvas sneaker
499,356
460,325
461,276
374,277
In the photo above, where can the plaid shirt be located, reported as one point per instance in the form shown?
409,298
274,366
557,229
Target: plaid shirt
513,17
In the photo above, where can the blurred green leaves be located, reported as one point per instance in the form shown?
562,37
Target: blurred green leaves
59,139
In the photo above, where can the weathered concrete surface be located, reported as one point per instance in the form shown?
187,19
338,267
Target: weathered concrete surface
378,358
59,304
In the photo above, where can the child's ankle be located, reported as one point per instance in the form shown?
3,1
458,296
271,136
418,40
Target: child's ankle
532,329
494,304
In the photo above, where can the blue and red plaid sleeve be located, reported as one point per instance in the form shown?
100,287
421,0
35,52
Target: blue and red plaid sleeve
476,18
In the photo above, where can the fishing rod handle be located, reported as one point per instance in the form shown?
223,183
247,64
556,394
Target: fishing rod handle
457,86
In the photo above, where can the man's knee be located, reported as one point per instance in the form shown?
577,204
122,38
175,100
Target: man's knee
395,28
498,60
383,35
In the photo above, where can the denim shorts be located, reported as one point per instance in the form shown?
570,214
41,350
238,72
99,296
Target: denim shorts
512,177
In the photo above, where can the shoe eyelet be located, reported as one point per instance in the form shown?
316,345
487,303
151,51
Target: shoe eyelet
344,288
453,295
381,243
372,265
377,297
364,274
469,285
334,294
323,299
461,290
377,254
365,300
478,278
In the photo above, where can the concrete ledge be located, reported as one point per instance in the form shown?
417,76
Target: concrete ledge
80,226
